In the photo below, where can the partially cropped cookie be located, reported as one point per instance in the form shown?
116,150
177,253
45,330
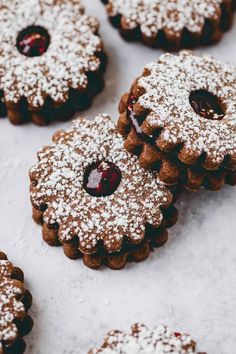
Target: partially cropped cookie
171,24
51,60
141,340
15,301
95,199
180,118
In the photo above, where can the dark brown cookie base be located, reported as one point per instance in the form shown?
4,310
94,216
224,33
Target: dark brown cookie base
154,237
212,31
21,113
25,325
171,170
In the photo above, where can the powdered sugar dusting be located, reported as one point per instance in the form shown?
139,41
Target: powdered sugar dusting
10,307
143,341
168,88
71,53
57,181
173,16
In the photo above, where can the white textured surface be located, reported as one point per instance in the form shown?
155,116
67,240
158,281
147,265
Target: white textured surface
190,284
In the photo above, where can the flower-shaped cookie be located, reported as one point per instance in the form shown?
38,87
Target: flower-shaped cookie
185,107
141,340
14,303
171,23
51,59
95,199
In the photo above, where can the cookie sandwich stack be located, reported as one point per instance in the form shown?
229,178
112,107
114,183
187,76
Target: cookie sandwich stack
106,191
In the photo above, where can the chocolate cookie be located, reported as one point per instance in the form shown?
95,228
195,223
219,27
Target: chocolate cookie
171,24
160,340
51,60
15,301
95,199
180,118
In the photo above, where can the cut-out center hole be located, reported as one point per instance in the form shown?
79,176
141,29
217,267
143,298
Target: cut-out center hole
33,41
207,105
101,179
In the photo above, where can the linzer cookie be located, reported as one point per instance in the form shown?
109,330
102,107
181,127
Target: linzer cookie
96,200
180,118
171,24
141,340
15,301
51,60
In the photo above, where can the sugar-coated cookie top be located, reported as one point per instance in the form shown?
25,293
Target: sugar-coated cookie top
165,91
58,182
160,340
70,54
172,15
10,307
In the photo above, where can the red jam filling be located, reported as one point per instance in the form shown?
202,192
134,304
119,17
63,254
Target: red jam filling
33,41
131,115
101,179
206,105
177,334
135,123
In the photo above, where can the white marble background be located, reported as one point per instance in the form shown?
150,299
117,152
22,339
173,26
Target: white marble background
190,284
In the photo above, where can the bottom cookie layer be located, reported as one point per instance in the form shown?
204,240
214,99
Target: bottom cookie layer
20,113
154,237
173,172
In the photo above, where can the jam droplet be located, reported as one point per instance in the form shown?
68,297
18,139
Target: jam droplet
101,179
206,105
135,123
33,41
130,108
177,334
